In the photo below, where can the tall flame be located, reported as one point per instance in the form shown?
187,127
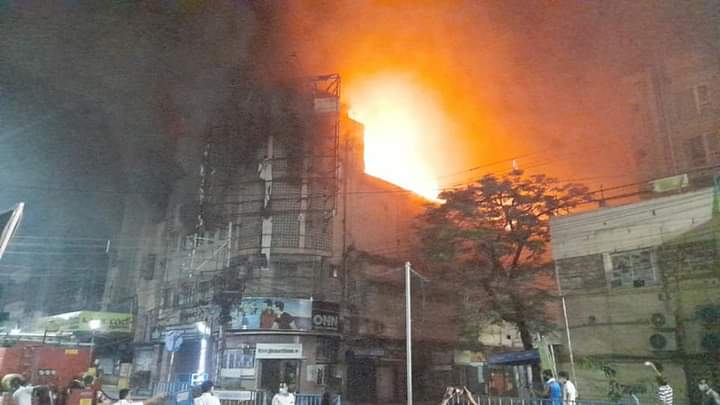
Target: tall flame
402,125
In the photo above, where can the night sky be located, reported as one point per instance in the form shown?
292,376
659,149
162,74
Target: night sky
95,94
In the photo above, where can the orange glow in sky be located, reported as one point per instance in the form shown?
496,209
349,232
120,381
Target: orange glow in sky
403,126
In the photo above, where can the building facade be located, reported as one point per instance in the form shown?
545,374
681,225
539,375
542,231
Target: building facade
640,283
279,259
675,116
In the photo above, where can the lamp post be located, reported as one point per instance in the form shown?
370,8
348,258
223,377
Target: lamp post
408,330
408,334
94,325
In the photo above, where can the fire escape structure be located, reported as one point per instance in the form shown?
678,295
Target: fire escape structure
267,186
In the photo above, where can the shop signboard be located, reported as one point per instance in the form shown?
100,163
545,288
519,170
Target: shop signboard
278,351
188,332
272,314
234,395
237,372
79,321
467,357
325,316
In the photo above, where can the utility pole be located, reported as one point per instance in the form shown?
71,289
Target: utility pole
408,334
567,326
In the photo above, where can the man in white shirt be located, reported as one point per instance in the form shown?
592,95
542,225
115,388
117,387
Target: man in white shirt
23,394
124,395
569,390
207,397
283,397
708,393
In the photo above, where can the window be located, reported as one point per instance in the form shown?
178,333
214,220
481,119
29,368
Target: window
693,102
239,358
204,292
702,99
632,269
702,150
327,349
167,298
148,267
712,140
185,296
695,152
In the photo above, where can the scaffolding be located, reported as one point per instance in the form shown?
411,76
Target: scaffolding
268,179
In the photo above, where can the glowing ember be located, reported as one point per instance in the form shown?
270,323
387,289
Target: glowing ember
402,128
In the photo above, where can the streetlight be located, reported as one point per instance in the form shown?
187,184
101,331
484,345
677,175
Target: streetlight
94,325
408,329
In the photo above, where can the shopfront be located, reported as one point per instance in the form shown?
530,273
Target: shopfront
274,340
189,354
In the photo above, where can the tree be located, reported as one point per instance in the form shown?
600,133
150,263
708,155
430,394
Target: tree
489,239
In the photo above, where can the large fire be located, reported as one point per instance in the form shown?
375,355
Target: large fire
402,123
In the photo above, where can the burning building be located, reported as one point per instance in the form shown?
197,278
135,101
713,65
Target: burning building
279,258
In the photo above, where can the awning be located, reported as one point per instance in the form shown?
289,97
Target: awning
514,358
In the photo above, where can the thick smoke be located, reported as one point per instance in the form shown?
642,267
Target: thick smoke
540,80
96,95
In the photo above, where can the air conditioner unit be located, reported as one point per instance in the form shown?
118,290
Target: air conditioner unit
660,320
662,342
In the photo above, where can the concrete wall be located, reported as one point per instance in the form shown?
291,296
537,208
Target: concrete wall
633,226
612,324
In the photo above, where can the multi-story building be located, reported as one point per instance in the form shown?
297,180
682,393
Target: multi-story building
279,260
675,110
640,283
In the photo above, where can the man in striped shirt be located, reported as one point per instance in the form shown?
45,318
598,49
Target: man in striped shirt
664,392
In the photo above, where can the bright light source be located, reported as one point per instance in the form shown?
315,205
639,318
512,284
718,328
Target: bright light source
404,129
203,353
203,328
95,324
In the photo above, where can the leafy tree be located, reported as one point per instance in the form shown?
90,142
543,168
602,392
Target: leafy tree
489,240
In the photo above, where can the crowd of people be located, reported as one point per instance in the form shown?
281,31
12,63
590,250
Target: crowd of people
557,391
562,391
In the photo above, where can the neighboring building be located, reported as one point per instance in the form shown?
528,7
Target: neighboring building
641,282
675,110
298,228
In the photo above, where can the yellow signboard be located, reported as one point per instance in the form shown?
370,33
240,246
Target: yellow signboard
88,321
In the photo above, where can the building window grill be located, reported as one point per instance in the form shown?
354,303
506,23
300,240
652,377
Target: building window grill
239,358
635,268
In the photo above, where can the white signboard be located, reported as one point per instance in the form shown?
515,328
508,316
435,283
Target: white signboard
234,395
237,372
278,351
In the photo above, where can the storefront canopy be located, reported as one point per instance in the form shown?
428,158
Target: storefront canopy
88,321
514,358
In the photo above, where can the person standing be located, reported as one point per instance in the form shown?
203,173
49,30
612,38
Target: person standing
284,396
568,388
708,394
124,399
23,394
458,396
665,391
206,397
553,389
